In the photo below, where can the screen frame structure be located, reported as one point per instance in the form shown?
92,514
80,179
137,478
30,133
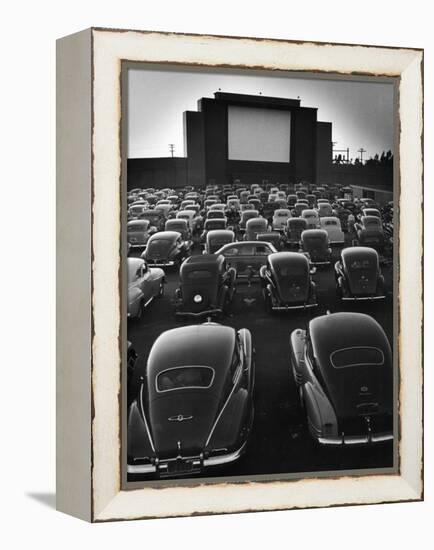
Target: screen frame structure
110,50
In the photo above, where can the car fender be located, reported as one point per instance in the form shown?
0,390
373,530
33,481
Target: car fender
138,438
246,341
297,344
319,410
135,295
232,421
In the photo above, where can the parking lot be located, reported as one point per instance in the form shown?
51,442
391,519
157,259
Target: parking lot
279,441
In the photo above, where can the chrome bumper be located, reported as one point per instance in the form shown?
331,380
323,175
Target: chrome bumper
196,462
285,308
160,264
363,298
356,439
200,314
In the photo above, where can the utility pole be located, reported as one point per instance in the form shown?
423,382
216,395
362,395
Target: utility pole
361,151
171,148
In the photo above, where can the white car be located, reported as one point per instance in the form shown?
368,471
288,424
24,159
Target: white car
333,227
311,217
144,284
280,217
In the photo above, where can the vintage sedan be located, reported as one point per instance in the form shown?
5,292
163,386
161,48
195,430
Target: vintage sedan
212,225
334,231
136,209
358,275
287,283
315,244
342,365
370,232
155,217
165,249
139,232
216,238
325,210
280,217
144,284
194,407
371,212
247,257
188,216
293,231
255,226
247,215
207,286
181,226
311,217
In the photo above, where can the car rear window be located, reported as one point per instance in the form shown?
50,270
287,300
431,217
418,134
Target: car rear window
356,357
137,227
185,377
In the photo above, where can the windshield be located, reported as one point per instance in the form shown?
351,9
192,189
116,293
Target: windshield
184,377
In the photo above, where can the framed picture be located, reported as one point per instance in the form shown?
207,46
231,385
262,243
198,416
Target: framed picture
239,274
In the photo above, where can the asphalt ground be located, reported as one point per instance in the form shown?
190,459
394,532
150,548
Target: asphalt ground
279,442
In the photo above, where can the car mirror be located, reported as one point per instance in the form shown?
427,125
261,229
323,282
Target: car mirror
313,270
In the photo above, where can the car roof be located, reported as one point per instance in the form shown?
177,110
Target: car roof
353,252
238,244
208,344
220,233
314,233
138,222
295,258
173,235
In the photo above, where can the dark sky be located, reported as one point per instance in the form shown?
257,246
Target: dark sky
361,112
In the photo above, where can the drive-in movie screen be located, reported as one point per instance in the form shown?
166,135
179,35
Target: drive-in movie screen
258,275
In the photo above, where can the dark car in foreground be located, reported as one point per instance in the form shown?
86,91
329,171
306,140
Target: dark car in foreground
342,365
206,286
194,407
165,249
287,283
358,275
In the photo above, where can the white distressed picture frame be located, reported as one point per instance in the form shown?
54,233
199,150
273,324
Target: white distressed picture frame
89,160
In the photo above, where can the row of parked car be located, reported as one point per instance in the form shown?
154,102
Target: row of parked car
194,409
207,282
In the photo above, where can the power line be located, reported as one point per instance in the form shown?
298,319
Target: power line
171,148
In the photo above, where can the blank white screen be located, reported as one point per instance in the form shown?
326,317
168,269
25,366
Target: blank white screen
258,134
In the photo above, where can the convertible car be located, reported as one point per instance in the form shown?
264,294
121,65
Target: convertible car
165,249
286,282
343,367
358,275
194,407
144,284
247,257
315,244
206,288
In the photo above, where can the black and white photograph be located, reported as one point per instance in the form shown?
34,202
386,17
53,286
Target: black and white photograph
260,267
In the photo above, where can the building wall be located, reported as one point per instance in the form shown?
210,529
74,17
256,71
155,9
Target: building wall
157,172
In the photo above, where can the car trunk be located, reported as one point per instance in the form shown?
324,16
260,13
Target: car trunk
181,421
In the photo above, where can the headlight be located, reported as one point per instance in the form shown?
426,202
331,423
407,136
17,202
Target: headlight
197,299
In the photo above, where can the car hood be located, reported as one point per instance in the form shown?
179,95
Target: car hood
181,422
